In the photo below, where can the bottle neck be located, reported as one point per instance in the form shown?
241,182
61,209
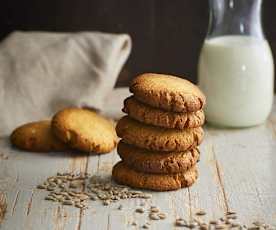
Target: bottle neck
235,17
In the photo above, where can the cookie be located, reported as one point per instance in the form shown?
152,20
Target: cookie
157,162
158,182
157,138
84,130
158,117
36,137
167,92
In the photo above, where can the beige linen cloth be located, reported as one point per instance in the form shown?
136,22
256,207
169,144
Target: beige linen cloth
41,73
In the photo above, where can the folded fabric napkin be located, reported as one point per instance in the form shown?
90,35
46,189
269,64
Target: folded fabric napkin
41,73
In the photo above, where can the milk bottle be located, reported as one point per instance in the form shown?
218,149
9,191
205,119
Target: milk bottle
235,67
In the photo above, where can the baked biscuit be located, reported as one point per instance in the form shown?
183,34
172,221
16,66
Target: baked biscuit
158,117
158,182
36,137
157,162
84,130
157,138
167,92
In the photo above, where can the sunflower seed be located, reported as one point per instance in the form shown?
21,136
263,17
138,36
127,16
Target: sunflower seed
231,213
201,213
203,226
106,202
50,198
78,206
140,210
145,196
232,216
83,197
41,186
74,184
213,222
181,222
52,184
220,226
134,223
154,209
162,215
93,197
145,226
120,207
67,202
50,188
153,216
193,225
62,185
228,221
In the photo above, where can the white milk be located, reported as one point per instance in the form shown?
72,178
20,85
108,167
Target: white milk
236,74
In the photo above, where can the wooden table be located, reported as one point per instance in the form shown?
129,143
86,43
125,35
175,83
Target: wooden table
237,172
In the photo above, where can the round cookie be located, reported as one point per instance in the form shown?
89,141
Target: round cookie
36,137
158,182
157,138
157,162
167,92
84,130
153,116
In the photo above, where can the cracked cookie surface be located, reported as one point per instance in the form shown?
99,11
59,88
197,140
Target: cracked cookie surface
157,138
167,92
37,137
157,162
158,182
158,117
84,130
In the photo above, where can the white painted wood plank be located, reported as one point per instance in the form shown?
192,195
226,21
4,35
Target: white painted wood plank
19,176
207,193
247,160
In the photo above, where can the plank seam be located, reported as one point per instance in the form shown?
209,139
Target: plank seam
221,184
29,206
190,205
15,202
81,210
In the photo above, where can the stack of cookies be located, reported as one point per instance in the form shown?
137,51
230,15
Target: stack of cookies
160,133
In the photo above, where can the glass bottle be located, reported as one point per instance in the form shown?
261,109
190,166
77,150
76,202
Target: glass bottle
236,70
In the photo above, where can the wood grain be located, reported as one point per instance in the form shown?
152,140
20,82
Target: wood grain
3,206
237,172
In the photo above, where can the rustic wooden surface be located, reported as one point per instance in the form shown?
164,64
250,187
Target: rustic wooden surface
237,172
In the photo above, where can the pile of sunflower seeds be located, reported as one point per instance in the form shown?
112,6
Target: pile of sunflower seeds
228,221
76,189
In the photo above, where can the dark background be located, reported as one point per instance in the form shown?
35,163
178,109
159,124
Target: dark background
167,34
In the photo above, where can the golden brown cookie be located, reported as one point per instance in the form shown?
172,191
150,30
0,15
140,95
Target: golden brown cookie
84,130
36,137
157,138
159,182
167,92
158,117
157,162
